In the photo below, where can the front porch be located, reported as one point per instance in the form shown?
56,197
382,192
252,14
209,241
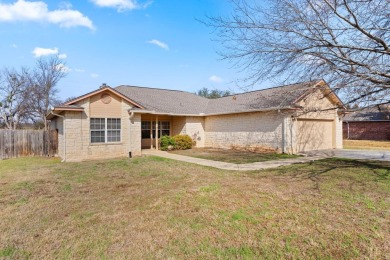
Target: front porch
153,127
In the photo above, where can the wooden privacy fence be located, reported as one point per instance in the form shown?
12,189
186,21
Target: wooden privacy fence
17,143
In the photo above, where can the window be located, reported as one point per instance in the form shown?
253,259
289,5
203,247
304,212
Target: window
163,129
113,130
145,129
98,126
105,130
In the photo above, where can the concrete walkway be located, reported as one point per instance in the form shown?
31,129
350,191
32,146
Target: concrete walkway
378,155
233,166
312,156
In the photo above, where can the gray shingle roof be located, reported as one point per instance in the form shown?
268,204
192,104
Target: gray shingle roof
165,101
369,114
180,102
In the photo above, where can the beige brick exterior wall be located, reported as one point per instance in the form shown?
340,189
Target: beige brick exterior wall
178,125
77,133
245,130
195,128
135,135
192,126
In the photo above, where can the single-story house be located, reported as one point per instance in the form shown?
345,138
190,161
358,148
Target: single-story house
371,123
121,121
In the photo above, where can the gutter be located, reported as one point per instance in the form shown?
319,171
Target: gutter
54,114
214,114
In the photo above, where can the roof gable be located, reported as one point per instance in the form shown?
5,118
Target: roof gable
327,92
101,90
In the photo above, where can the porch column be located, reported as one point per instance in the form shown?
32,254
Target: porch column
151,132
156,132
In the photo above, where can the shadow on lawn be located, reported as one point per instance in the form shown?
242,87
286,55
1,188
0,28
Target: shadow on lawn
335,167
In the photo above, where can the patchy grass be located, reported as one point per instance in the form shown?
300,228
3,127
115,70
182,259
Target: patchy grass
150,207
366,144
232,156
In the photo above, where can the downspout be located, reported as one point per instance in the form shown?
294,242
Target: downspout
131,117
54,114
347,130
284,149
284,135
292,144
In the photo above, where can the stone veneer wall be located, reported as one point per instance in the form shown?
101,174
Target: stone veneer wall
246,130
191,125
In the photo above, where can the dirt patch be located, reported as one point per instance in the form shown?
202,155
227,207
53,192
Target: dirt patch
237,155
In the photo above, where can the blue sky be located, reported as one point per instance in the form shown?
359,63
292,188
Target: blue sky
155,43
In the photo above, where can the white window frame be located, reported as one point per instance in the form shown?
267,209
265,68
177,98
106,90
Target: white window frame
105,130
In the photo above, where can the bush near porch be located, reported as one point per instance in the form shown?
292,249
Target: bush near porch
177,142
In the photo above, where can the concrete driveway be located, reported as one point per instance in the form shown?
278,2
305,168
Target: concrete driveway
355,154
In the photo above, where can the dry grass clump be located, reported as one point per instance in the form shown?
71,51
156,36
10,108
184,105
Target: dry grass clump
255,149
366,144
144,208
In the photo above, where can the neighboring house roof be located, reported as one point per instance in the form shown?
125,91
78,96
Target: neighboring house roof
175,102
376,113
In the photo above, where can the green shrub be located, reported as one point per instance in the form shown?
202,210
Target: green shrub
183,142
167,142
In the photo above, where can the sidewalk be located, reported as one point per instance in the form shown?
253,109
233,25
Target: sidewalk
233,166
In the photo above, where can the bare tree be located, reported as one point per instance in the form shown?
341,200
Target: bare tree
13,97
345,42
43,81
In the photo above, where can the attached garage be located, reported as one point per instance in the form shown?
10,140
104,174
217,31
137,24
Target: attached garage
315,134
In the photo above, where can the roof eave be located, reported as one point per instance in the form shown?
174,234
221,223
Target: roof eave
214,114
58,110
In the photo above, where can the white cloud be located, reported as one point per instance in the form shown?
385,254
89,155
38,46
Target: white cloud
65,5
62,56
215,79
94,75
38,11
159,44
121,5
14,46
63,68
79,70
39,52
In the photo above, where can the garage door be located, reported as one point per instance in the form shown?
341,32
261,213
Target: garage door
314,134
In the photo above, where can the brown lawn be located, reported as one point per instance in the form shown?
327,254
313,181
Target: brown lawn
233,156
366,144
144,208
